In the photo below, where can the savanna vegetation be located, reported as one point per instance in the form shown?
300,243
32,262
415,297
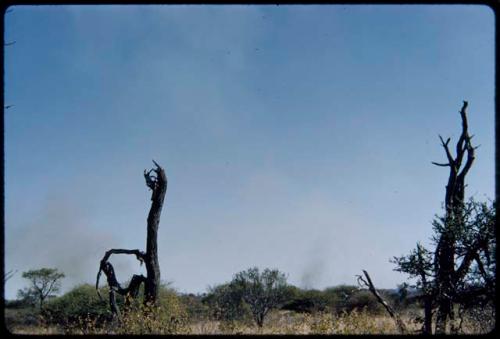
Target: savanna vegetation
451,285
225,309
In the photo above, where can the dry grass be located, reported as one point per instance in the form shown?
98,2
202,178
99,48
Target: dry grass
285,322
278,322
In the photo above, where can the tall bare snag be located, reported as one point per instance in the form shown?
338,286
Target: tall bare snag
158,185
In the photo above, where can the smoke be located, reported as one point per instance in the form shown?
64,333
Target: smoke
314,272
62,238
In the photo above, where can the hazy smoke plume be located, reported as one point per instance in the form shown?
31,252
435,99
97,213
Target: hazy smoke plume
313,274
62,239
314,271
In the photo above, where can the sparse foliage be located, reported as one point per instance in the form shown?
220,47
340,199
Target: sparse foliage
225,303
261,291
461,269
44,282
28,296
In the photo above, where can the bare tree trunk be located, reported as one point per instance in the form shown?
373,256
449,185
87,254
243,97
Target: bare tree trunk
427,328
444,260
159,188
158,185
260,320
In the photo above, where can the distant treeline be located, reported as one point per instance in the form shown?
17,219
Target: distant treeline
82,302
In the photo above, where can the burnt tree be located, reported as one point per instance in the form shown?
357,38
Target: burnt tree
158,186
446,273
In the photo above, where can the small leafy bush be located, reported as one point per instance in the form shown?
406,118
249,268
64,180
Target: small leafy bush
308,301
82,302
364,299
224,303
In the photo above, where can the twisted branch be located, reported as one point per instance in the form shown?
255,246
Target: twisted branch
158,185
131,290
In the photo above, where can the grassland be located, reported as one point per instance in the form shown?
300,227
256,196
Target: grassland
278,322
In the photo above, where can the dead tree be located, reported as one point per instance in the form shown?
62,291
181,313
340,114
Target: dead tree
447,275
158,186
368,283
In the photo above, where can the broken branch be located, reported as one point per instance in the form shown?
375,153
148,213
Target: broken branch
368,283
438,164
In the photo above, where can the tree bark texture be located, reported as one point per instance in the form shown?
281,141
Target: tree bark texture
159,189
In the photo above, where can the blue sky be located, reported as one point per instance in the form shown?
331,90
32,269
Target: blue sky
293,137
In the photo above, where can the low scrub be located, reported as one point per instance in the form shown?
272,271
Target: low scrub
82,311
82,302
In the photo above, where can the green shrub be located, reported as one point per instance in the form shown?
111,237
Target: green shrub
308,301
364,300
81,302
80,311
224,303
194,306
262,290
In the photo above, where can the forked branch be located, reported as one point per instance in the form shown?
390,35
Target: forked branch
463,146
